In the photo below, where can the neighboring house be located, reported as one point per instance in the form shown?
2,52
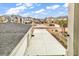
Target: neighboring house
62,18
50,21
3,19
57,25
37,21
27,20
16,19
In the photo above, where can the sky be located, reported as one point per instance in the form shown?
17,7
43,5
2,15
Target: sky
37,10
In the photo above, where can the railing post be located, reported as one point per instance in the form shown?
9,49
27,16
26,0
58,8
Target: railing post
73,30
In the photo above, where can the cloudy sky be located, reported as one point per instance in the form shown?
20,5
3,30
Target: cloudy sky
38,10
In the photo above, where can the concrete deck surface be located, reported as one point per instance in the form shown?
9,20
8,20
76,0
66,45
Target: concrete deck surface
43,43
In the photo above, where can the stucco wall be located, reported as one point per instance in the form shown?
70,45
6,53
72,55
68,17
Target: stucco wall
20,49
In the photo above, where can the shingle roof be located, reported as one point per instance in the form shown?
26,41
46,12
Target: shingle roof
10,35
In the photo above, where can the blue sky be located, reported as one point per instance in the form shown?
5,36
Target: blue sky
38,10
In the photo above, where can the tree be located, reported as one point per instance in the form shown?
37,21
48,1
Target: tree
63,24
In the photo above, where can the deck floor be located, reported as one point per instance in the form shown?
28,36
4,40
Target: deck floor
43,43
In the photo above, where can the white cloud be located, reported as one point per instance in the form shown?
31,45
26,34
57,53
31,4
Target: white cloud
12,11
53,7
18,4
37,4
48,7
27,4
35,16
61,13
66,5
31,7
19,8
40,11
25,14
24,4
15,10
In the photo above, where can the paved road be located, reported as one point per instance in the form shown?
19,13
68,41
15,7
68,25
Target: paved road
43,43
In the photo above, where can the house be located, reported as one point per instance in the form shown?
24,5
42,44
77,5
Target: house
50,21
27,20
3,19
16,19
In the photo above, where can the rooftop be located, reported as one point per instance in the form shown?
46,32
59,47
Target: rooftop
10,35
